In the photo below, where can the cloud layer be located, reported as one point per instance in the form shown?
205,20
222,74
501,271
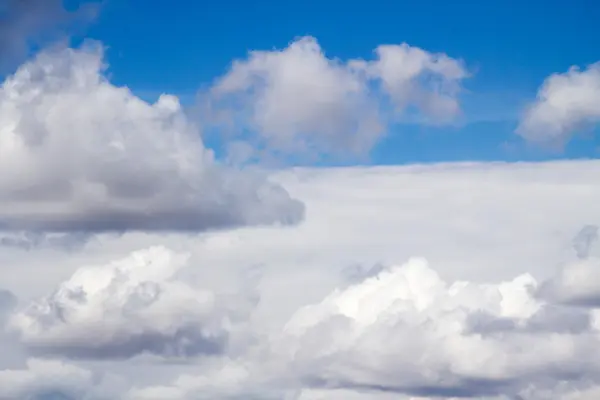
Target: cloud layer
500,307
91,156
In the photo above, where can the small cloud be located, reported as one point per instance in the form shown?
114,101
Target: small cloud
566,104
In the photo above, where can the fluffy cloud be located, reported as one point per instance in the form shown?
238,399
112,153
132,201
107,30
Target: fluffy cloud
297,100
407,331
566,103
128,307
93,157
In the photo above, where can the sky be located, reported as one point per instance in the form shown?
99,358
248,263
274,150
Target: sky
510,47
313,201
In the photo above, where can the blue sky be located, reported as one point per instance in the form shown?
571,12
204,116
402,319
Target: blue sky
510,46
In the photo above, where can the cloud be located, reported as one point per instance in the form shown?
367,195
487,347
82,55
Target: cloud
53,380
566,104
414,77
131,306
299,101
405,332
352,286
93,157
23,22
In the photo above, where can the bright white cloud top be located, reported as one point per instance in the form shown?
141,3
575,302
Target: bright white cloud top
85,155
566,104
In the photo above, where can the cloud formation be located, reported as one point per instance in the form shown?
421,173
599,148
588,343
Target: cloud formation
407,331
93,157
566,104
299,101
131,306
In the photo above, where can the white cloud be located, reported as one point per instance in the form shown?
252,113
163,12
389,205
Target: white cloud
407,331
566,104
297,100
128,307
91,156
414,77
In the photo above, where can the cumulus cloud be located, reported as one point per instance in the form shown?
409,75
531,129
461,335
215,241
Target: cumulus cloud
93,157
298,100
406,331
401,330
131,306
414,77
23,22
566,104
